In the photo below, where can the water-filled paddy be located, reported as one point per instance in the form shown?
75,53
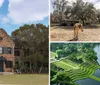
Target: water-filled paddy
97,73
97,50
87,81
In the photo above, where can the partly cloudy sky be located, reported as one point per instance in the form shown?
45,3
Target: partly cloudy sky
14,13
95,2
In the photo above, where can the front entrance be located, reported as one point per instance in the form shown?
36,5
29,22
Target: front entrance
1,66
2,60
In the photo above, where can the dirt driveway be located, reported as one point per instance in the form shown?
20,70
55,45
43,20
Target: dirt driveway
59,33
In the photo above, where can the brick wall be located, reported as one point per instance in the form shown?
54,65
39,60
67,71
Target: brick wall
7,42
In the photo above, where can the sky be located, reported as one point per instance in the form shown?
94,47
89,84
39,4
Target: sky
95,2
15,13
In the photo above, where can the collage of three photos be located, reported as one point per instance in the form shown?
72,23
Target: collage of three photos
49,42
75,46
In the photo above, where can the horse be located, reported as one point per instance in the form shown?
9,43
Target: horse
77,27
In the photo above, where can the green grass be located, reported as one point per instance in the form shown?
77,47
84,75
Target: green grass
63,66
73,64
24,79
66,64
52,54
95,78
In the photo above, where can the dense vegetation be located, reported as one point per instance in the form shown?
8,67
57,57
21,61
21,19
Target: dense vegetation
73,61
75,51
84,12
33,40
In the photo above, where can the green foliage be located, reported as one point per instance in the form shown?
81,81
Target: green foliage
77,52
55,46
22,66
84,12
35,39
60,53
90,55
80,61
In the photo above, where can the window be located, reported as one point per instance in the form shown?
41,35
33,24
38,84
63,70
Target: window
7,50
1,38
0,50
17,53
9,64
4,50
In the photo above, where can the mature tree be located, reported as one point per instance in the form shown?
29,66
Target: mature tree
34,38
83,11
60,7
75,52
98,16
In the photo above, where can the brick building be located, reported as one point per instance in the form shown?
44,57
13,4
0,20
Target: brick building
6,52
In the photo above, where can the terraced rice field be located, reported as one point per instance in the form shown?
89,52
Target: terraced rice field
66,66
78,71
52,54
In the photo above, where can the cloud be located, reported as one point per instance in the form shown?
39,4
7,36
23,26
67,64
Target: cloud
91,1
95,2
4,20
1,3
26,11
97,5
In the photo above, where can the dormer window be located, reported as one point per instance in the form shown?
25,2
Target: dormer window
1,38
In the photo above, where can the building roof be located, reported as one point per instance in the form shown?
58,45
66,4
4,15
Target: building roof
5,39
3,31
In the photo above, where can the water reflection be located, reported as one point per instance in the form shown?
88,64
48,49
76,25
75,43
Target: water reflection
97,50
87,81
97,73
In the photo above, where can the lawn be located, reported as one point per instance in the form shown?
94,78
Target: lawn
24,79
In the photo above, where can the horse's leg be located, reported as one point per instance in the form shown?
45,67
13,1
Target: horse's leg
76,34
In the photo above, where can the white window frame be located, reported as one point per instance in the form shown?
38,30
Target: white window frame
0,50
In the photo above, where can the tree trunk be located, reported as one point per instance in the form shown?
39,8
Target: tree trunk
30,65
41,68
83,22
19,62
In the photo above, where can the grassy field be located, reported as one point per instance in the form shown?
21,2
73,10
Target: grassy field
24,79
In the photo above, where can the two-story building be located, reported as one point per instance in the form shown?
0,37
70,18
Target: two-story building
6,52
